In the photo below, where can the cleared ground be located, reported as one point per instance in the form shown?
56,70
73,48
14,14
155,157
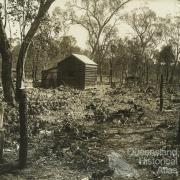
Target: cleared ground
73,134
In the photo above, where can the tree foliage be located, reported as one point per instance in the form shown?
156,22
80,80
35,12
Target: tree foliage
167,55
98,17
145,26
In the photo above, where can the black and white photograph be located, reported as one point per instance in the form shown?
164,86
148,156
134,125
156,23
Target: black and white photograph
89,89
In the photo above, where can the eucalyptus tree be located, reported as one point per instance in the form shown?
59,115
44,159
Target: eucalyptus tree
147,30
171,36
167,57
67,46
6,53
99,18
122,58
5,50
45,46
21,13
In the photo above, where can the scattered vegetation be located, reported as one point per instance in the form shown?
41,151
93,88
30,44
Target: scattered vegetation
81,138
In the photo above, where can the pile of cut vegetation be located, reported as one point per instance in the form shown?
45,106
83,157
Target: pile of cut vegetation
74,144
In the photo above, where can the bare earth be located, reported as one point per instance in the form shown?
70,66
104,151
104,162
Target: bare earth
73,133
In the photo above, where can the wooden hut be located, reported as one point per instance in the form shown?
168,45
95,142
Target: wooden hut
49,78
76,71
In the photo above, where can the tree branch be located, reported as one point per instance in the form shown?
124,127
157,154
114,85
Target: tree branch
44,6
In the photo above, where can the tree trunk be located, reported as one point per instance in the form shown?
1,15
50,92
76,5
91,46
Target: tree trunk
172,72
178,74
178,130
147,73
44,6
157,73
7,83
23,128
1,133
20,91
36,65
110,73
161,94
1,144
167,73
33,66
100,73
122,75
175,64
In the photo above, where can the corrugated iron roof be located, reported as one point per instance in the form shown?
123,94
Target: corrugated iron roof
84,59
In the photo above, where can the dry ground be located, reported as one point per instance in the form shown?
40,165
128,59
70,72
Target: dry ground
72,132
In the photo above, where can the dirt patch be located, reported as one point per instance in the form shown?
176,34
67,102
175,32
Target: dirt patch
72,132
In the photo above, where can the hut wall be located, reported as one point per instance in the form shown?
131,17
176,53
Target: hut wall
71,72
90,75
49,78
44,78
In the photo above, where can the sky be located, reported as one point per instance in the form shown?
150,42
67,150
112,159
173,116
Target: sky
161,7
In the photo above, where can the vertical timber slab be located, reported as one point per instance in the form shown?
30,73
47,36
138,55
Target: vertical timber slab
1,132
